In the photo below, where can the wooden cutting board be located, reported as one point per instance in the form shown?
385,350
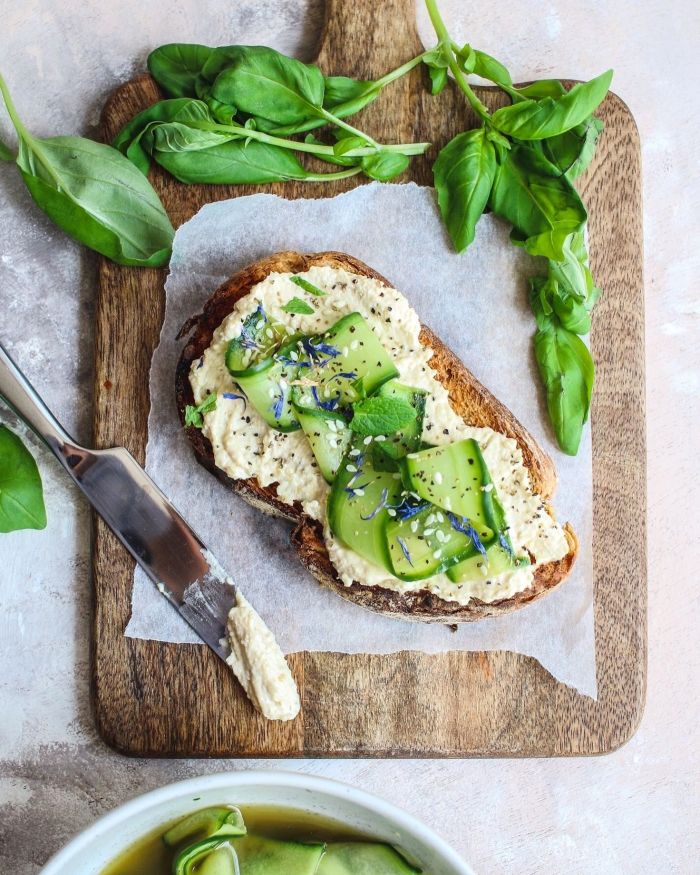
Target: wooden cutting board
155,699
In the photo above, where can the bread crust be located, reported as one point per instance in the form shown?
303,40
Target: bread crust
468,398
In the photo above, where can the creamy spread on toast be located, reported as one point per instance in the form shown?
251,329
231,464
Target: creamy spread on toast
245,446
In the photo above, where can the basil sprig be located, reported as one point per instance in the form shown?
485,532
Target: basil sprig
520,163
232,111
94,194
21,493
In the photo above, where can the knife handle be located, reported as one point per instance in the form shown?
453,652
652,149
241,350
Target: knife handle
23,398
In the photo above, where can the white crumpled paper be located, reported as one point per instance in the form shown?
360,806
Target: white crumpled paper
477,304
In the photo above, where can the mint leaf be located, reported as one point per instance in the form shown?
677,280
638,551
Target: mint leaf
296,305
374,416
21,494
307,286
193,415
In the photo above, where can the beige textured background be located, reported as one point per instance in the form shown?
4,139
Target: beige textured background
635,811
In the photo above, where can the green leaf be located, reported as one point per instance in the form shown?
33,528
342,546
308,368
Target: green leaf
571,272
464,173
306,286
542,205
547,297
194,415
573,150
542,88
481,64
233,163
551,116
95,194
175,67
374,416
384,165
296,305
21,493
6,154
568,374
347,144
438,78
344,96
266,84
136,140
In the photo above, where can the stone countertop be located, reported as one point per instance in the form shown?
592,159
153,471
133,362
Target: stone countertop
635,811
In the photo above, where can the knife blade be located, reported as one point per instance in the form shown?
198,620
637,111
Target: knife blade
162,542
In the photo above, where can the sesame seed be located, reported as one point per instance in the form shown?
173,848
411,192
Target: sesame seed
414,526
359,492
438,478
437,554
351,468
354,452
367,440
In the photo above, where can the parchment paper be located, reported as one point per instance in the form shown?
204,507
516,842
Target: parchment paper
477,304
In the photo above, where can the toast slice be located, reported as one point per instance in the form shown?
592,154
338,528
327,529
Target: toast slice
468,398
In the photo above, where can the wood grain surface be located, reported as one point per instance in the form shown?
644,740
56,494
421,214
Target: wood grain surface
156,699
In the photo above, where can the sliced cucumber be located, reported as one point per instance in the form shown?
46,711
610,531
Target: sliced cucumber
258,855
257,341
363,858
206,823
329,436
425,545
357,505
191,856
222,861
267,387
456,479
351,363
500,556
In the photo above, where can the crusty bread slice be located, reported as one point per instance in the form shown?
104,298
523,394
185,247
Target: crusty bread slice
468,398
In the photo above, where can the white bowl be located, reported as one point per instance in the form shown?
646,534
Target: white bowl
112,834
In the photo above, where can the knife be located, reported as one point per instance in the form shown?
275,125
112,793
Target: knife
143,519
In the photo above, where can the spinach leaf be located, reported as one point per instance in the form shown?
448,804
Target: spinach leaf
175,67
21,494
141,127
550,116
233,163
542,206
573,150
568,374
464,172
375,416
265,84
384,166
6,154
95,194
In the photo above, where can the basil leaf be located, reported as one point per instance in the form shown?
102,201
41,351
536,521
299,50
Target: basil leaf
573,151
178,137
175,67
136,139
538,90
542,206
233,163
481,64
374,416
307,286
464,172
296,305
438,78
547,297
6,154
550,116
344,96
384,165
347,144
568,374
21,493
194,415
571,273
264,83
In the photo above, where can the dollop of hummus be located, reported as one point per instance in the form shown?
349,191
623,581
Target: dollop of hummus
259,664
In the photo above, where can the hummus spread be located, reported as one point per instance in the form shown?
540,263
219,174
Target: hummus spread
259,664
245,446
